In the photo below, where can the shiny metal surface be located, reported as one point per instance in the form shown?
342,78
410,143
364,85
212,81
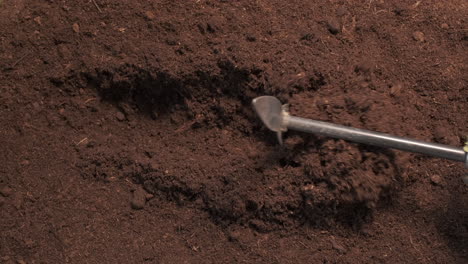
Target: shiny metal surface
275,118
374,138
270,111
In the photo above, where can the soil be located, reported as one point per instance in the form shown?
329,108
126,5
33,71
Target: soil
127,132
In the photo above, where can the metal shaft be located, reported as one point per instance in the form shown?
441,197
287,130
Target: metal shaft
374,138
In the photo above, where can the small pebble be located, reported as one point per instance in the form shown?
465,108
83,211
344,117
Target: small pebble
444,26
419,36
120,116
139,199
6,191
436,179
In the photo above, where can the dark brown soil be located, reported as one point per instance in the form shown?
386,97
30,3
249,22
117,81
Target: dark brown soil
127,133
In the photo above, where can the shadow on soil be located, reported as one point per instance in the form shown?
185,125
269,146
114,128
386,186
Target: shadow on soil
158,93
452,223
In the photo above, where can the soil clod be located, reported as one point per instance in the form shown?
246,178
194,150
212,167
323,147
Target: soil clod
150,15
38,20
17,200
396,89
341,11
120,116
436,180
6,191
338,247
419,36
364,67
333,27
76,28
138,199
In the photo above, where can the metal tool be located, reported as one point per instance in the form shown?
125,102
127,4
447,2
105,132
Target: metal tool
276,117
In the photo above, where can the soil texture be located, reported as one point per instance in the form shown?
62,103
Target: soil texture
127,133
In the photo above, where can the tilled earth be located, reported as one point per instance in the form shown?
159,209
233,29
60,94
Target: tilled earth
127,133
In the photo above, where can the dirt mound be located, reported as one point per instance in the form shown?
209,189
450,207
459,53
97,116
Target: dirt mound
348,181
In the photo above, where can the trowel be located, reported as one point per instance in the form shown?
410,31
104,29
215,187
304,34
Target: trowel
276,117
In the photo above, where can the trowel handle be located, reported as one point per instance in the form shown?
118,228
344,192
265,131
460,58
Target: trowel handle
374,138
